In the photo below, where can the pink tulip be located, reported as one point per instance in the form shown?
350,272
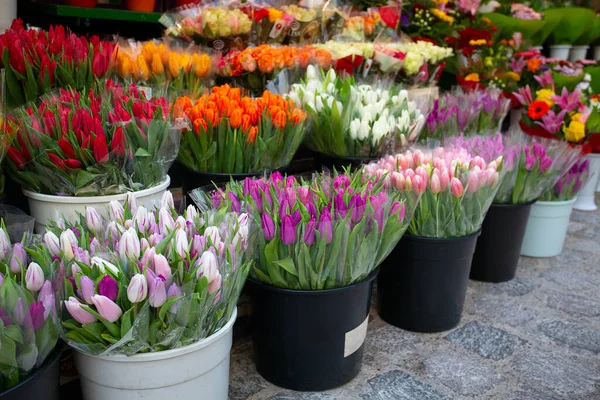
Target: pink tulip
34,277
398,180
215,284
435,184
87,289
79,314
157,292
472,182
161,266
456,187
107,308
137,289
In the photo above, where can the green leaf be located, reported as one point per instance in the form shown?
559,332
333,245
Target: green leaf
142,153
165,307
288,265
84,178
96,329
14,333
126,322
8,352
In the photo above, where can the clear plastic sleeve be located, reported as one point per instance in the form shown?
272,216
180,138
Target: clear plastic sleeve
106,141
570,182
148,281
321,233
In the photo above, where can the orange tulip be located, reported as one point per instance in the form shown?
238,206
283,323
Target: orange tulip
245,122
280,119
125,67
186,62
273,110
236,118
148,50
174,65
251,137
200,126
200,64
298,116
223,104
163,51
235,94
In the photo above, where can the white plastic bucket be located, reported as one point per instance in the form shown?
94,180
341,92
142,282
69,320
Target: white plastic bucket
547,228
197,371
515,117
578,53
45,207
560,51
586,200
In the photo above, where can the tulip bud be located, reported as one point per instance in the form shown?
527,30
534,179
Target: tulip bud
207,266
19,312
529,162
137,289
129,245
174,291
36,313
155,239
472,181
67,241
4,244
325,227
215,284
46,296
34,277
198,243
456,187
182,246
435,185
144,245
545,164
268,226
107,308
141,218
166,223
116,211
288,231
157,292
166,200
93,220
108,287
191,213
87,289
309,232
52,243
161,266
132,203
80,315
18,258
212,233
104,265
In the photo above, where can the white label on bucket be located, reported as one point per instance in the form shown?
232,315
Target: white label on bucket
355,338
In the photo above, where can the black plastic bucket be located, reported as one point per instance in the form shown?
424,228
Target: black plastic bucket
43,384
423,282
310,340
330,162
499,246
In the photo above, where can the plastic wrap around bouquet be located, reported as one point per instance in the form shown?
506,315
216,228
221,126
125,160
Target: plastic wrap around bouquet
147,281
235,134
457,188
216,25
328,232
107,141
360,121
187,69
36,61
29,319
467,114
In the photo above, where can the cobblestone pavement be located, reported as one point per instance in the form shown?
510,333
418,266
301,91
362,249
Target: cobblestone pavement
534,338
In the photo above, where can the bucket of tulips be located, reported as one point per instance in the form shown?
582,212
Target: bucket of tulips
549,217
353,124
318,247
423,284
532,165
77,149
30,351
150,299
232,136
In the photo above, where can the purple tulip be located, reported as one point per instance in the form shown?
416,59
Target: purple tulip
108,287
268,226
379,218
46,296
304,194
19,312
288,231
290,194
276,178
216,197
256,196
538,150
36,312
18,258
174,291
249,185
1,278
358,205
398,206
545,164
325,227
340,206
88,289
342,181
198,243
309,232
4,317
236,205
157,292
283,208
296,218
529,162
312,210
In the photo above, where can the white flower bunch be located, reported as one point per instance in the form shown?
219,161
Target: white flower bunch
421,52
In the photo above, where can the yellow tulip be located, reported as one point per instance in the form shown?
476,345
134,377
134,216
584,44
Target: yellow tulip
143,70
174,65
186,62
148,50
157,65
201,64
125,67
164,53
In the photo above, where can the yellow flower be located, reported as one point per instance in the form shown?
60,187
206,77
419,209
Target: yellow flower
478,42
442,15
275,14
472,77
575,132
576,117
125,67
143,70
174,64
201,64
545,95
148,50
513,75
157,66
186,62
486,20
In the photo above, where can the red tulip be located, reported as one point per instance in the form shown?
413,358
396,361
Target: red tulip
100,149
66,148
73,164
56,160
98,129
117,144
17,157
24,148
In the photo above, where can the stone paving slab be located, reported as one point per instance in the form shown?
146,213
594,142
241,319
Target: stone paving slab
534,338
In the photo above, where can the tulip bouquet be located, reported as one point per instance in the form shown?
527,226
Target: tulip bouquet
218,27
467,114
106,141
457,188
237,134
253,67
36,61
570,183
306,24
145,281
272,25
321,234
421,62
152,64
30,326
356,121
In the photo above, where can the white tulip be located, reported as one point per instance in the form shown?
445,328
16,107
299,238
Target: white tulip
67,241
364,130
354,126
104,265
319,104
311,72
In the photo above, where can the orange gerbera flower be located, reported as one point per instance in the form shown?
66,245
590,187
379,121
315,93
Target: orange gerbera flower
534,64
538,109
